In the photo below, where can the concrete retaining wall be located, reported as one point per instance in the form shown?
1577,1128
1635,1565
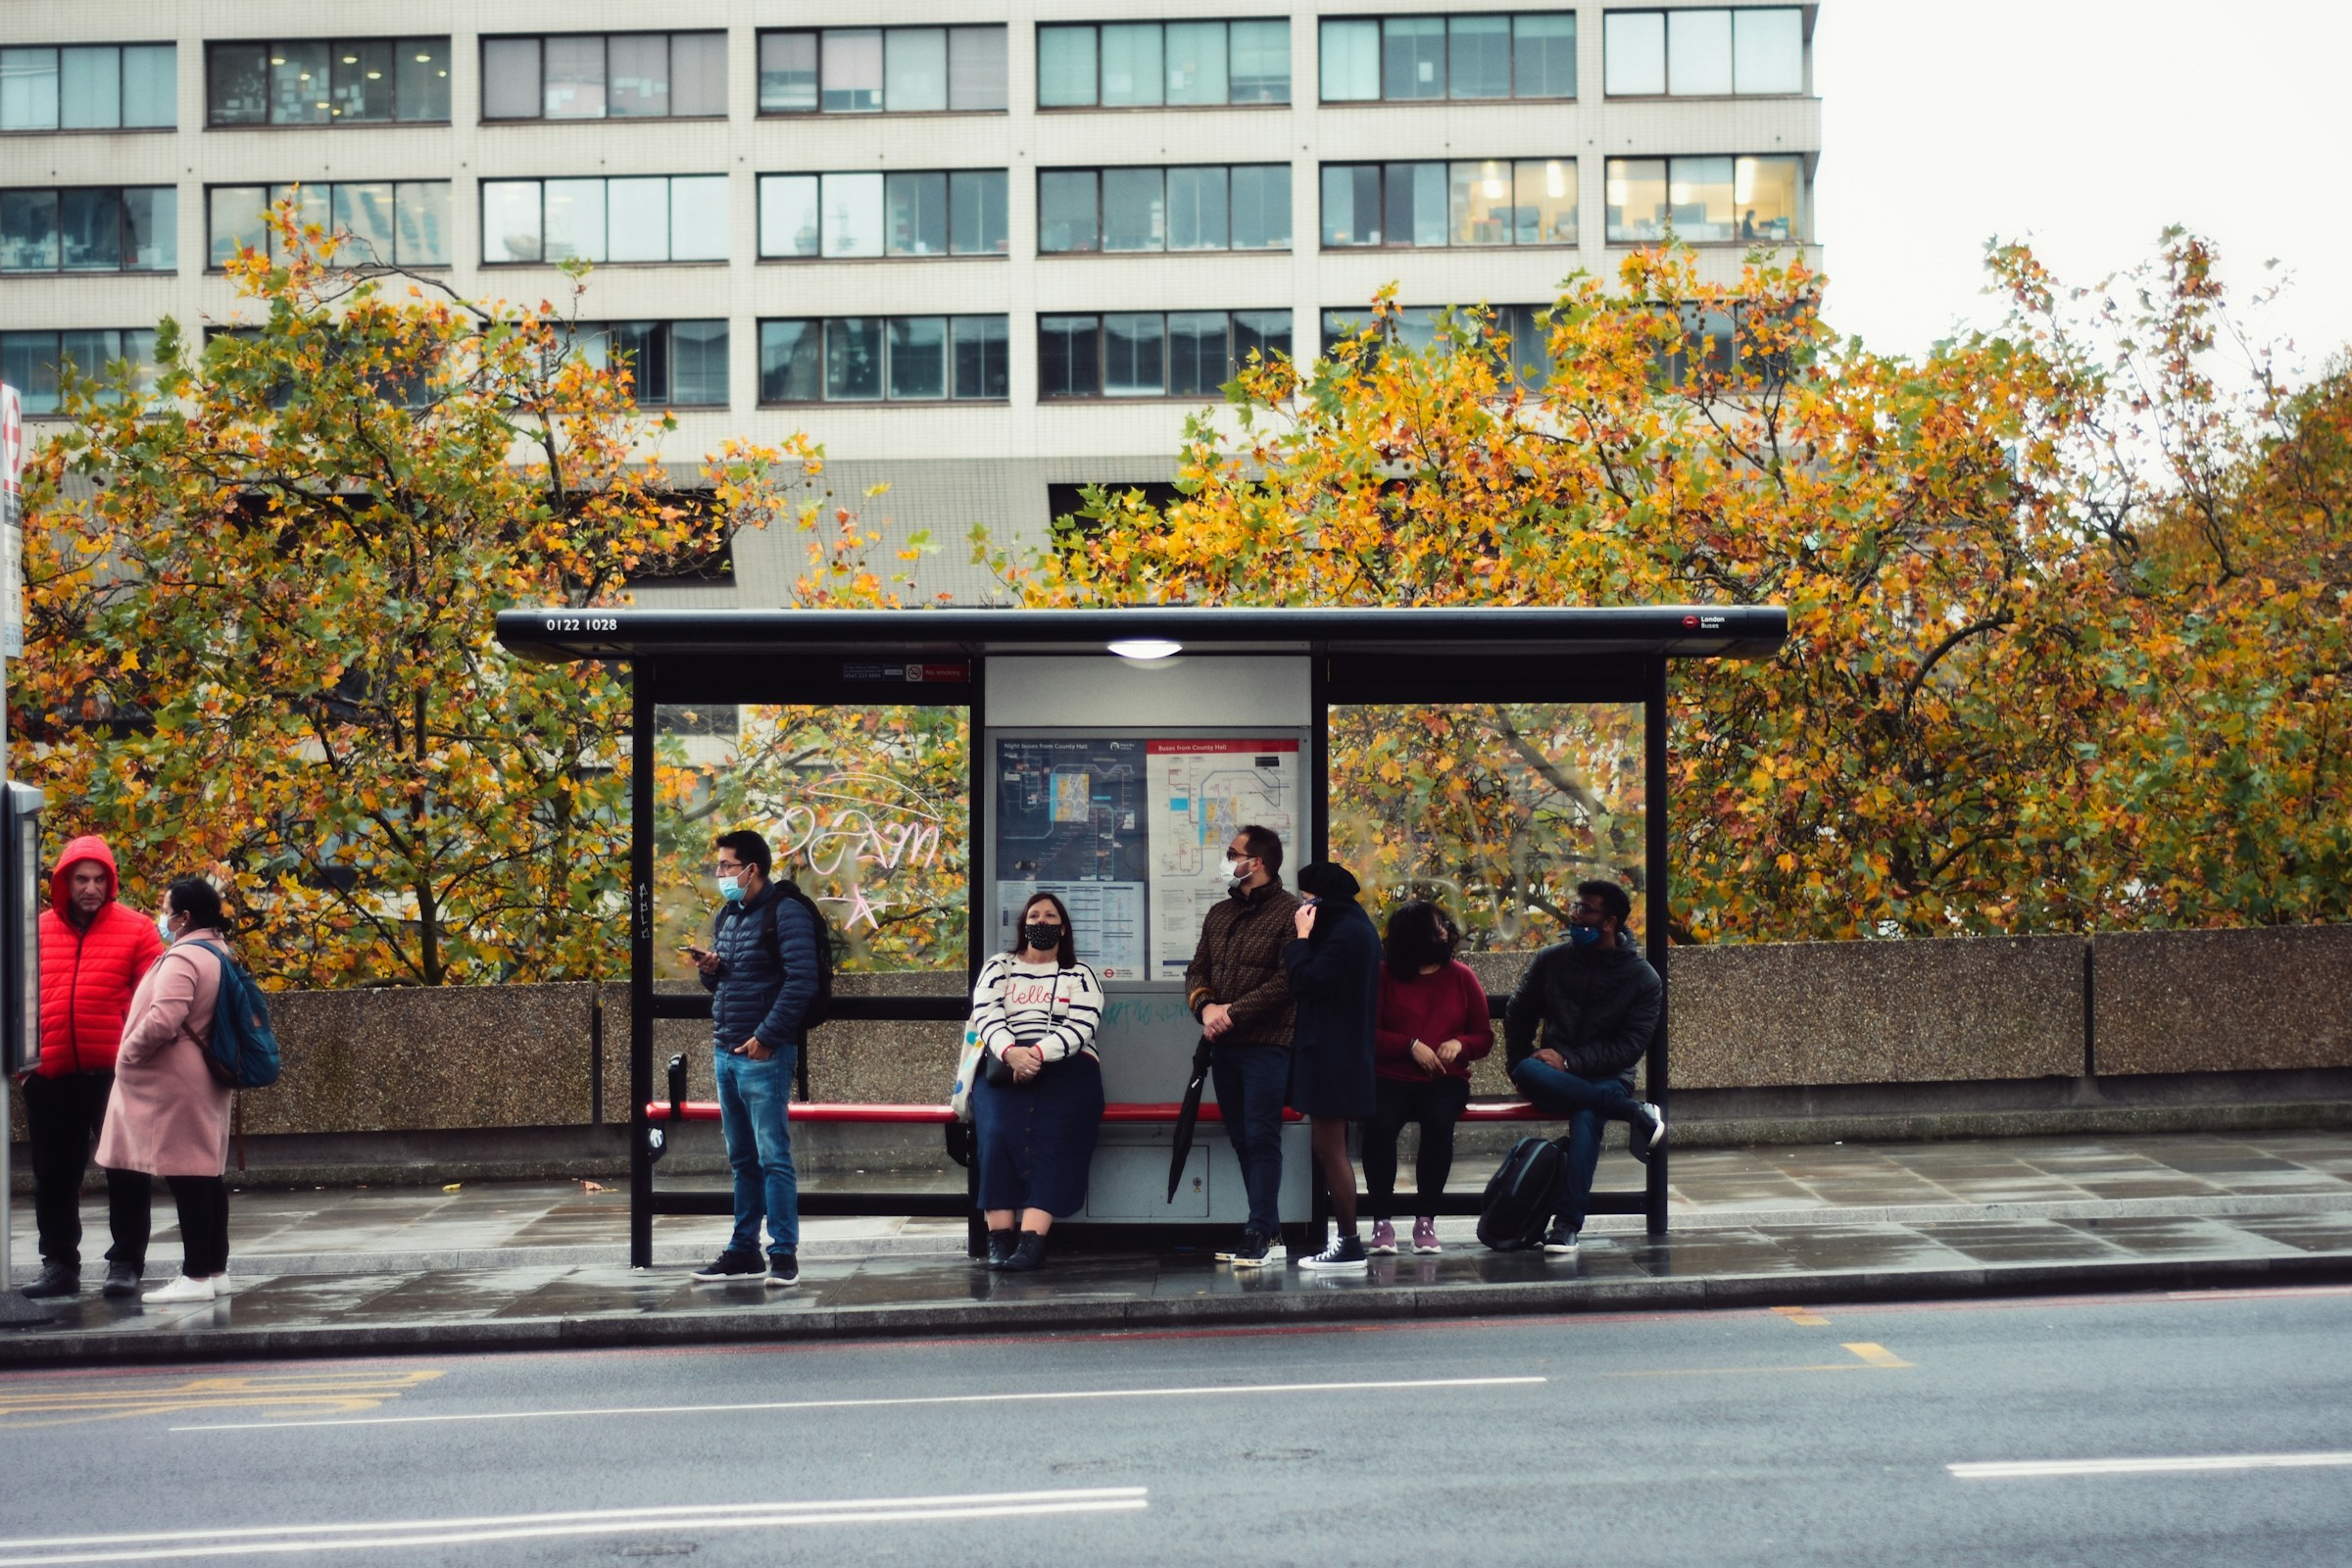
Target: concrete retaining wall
1760,1034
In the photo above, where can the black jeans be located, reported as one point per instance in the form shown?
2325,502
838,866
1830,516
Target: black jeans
203,1203
1437,1103
62,1118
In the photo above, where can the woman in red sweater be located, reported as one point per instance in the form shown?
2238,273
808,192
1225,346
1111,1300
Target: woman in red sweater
1433,1025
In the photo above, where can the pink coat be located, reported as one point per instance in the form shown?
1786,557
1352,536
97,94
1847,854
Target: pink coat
168,1116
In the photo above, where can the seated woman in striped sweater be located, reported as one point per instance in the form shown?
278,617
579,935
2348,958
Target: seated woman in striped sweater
1038,1107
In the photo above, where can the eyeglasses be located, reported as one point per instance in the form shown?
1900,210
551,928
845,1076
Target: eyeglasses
1239,854
727,868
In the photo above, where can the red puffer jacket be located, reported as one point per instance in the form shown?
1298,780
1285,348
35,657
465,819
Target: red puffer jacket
87,975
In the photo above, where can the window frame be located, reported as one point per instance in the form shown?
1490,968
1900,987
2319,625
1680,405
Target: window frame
481,197
761,253
949,397
483,42
28,391
332,120
666,326
123,236
1166,227
1800,224
1099,107
217,268
1380,21
1102,337
1511,241
883,31
59,127
1666,90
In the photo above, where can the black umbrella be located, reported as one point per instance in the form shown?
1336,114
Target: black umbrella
1186,1114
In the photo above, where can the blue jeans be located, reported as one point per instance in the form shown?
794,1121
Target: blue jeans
1588,1106
753,1096
1251,1082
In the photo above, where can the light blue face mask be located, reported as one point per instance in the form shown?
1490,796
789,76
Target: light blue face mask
730,888
162,926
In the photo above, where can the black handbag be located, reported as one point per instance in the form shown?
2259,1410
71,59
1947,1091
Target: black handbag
994,1069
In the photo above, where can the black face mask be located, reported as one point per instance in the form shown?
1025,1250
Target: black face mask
1043,937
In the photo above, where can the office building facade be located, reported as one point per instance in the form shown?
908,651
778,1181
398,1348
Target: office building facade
984,254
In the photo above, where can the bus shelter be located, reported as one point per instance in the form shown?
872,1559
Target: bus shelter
1110,753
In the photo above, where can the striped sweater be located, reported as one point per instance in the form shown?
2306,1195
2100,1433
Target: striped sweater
1019,1004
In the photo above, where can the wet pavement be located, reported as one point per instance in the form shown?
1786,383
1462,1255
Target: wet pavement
539,1264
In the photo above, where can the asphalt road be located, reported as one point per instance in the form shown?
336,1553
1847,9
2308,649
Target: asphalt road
1825,1436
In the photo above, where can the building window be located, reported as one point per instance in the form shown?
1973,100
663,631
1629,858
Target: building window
1418,326
885,358
1244,207
362,82
951,211
31,362
389,223
1423,59
621,76
1177,354
882,70
1704,54
1136,64
1495,201
1707,201
103,86
101,229
675,365
653,217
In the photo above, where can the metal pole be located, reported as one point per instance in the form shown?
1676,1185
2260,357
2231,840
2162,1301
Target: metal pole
976,933
641,960
1655,912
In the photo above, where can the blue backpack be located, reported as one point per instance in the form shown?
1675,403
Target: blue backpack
242,1051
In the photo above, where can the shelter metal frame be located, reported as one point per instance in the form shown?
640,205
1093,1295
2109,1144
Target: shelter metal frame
939,657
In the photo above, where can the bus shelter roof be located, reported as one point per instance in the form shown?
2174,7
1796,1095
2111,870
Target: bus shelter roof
1374,632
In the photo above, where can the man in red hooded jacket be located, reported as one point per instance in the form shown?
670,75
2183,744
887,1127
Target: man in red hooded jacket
94,950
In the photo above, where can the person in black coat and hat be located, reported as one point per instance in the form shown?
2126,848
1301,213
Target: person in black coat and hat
1334,967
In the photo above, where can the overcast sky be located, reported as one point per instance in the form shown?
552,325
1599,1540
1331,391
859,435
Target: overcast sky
2086,126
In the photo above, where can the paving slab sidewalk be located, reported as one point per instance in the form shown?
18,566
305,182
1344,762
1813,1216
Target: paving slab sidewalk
514,1265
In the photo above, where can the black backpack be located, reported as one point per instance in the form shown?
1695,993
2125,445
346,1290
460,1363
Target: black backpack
1522,1195
820,1007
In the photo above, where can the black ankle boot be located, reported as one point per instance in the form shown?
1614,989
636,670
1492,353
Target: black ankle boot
1030,1254
999,1247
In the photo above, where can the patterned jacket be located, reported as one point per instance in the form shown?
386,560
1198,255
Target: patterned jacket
1238,962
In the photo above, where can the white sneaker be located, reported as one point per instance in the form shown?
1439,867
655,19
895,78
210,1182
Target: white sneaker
218,1283
181,1289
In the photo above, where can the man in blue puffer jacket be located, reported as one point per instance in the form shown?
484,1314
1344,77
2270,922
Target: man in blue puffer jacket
762,968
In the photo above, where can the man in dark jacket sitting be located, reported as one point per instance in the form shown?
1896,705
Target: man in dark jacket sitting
1597,1001
762,966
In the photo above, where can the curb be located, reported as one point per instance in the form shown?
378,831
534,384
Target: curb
31,1348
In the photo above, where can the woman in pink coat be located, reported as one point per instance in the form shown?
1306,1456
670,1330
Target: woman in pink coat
168,1116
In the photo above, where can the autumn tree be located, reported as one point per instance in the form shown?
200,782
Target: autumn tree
1947,744
260,598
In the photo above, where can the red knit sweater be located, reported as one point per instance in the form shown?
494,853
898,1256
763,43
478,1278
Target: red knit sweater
1432,1008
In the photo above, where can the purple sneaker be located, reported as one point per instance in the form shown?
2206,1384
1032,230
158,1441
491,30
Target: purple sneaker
1384,1240
1425,1234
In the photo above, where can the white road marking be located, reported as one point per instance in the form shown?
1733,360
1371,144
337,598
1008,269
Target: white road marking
2018,1469
166,1545
1205,1392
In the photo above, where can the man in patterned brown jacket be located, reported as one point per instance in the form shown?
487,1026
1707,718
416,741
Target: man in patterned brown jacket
1237,988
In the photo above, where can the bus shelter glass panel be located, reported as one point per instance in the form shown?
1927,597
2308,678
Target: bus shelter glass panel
865,808
1494,811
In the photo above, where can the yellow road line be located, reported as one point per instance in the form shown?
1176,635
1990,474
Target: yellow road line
1868,1358
1802,1317
287,1395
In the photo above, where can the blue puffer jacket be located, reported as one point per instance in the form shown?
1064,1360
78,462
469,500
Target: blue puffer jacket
754,994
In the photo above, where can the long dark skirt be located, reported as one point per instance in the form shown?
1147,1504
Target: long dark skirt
1037,1140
